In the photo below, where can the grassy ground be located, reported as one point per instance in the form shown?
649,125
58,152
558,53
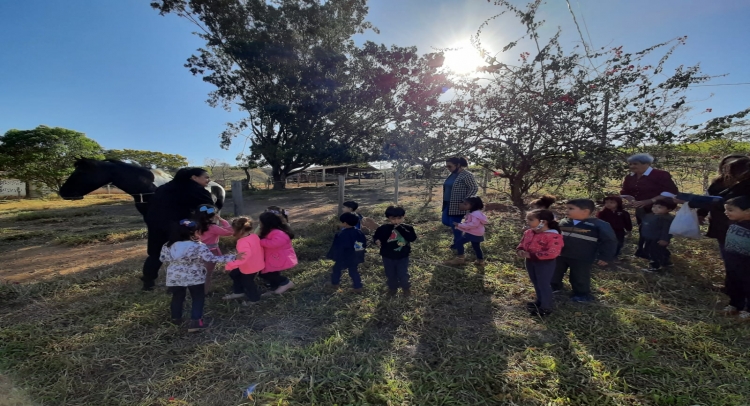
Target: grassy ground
463,338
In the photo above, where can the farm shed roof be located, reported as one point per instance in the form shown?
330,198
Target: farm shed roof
338,168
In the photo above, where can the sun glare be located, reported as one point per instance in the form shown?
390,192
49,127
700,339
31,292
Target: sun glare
464,58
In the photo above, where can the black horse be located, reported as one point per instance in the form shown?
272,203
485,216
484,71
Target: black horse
137,181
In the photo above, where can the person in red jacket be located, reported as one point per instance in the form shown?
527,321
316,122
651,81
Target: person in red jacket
618,218
540,246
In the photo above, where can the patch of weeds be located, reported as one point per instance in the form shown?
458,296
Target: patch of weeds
9,235
52,214
110,237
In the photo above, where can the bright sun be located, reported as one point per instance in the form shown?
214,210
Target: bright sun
463,59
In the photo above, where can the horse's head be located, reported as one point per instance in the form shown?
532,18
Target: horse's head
89,175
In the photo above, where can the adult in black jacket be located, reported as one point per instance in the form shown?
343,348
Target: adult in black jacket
172,202
733,181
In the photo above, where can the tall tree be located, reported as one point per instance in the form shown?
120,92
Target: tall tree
149,159
44,155
312,96
555,110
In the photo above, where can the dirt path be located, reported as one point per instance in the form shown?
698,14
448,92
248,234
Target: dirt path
40,259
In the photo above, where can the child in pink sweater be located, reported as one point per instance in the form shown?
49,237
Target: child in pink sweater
276,240
243,271
211,227
473,230
540,246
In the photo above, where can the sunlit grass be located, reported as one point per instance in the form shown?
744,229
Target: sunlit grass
463,338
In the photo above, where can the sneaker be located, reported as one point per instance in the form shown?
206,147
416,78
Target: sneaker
284,288
582,299
268,294
233,296
196,326
247,303
479,262
744,315
730,310
178,322
557,288
456,261
532,305
358,290
651,270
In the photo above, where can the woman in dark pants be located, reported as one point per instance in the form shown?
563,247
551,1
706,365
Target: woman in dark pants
172,202
459,185
719,223
643,186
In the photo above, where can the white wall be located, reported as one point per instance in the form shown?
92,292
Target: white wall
12,188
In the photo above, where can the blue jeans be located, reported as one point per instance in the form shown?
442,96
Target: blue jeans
353,273
397,273
475,245
197,296
448,221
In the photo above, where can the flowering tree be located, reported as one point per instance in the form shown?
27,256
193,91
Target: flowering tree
557,114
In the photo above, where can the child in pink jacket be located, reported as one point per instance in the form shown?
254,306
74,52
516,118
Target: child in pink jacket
540,246
473,229
243,271
211,227
276,240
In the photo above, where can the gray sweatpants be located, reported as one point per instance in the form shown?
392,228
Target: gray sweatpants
540,273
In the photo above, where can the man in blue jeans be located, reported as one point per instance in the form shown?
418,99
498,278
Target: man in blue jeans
394,240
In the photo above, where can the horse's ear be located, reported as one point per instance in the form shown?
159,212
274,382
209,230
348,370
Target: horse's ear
84,163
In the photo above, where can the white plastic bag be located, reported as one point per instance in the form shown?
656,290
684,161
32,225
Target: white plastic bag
685,223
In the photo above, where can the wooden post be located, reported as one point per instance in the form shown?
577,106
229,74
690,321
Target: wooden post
298,175
395,187
342,187
237,197
324,177
359,178
316,178
484,182
385,177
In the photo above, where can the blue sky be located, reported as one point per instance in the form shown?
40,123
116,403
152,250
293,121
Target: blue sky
114,69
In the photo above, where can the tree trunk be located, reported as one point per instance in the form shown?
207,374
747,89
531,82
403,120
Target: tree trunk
517,195
428,179
279,178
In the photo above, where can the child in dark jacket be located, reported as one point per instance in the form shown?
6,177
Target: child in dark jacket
541,245
348,251
618,218
394,240
737,256
351,207
587,240
655,232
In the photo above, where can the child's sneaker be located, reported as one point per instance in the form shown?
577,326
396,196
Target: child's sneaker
480,262
196,326
283,288
456,261
358,290
651,269
178,322
532,305
730,310
744,315
247,303
232,296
